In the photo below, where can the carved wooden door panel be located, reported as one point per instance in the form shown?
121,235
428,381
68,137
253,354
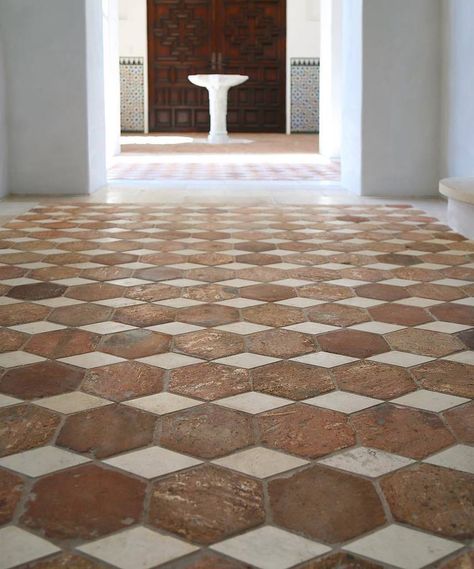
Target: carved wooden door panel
180,43
217,36
253,42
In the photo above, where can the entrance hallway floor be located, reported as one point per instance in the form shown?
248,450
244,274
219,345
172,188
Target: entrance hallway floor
235,387
260,157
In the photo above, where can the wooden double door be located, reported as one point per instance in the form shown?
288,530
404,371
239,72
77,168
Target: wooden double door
247,37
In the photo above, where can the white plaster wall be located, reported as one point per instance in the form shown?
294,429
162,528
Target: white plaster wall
399,110
55,102
457,141
3,127
303,34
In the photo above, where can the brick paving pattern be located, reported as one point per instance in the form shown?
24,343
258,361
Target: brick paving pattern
235,388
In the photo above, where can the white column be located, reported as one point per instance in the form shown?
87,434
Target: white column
330,99
55,95
391,97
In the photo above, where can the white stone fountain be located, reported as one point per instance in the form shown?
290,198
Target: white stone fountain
218,87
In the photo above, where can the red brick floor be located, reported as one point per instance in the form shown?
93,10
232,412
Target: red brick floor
231,388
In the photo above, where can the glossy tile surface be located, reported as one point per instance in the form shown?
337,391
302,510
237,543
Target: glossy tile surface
234,387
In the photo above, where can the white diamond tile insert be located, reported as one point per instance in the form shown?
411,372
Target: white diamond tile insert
75,281
128,282
236,283
41,461
462,357
253,402
452,282
58,302
119,302
178,302
175,328
182,283
446,327
91,360
260,462
343,401
142,252
300,302
37,327
72,402
403,547
107,327
292,282
360,302
20,281
351,283
311,328
377,327
246,360
137,548
13,359
243,328
270,548
459,457
170,360
6,401
467,301
19,546
152,462
324,359
402,359
430,400
237,266
416,301
398,282
367,461
240,302
163,403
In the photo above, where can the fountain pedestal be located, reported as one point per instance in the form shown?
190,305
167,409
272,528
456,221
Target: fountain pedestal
218,87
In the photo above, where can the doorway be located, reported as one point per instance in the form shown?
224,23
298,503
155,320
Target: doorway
187,37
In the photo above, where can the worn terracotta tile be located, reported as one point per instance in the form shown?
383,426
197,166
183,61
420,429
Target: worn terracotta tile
210,293
107,430
281,343
11,488
210,562
207,431
292,380
133,344
144,315
324,291
424,342
374,379
42,379
403,315
80,314
208,315
326,505
124,380
65,561
306,431
10,340
94,291
22,313
341,561
24,427
410,432
457,313
353,343
446,377
338,315
467,338
209,381
62,343
273,315
382,292
461,422
152,292
81,503
38,291
434,499
463,561
206,504
268,292
209,344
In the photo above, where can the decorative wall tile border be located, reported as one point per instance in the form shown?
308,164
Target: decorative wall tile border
304,94
132,94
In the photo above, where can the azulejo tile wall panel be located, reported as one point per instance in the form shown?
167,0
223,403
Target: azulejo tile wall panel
132,94
305,94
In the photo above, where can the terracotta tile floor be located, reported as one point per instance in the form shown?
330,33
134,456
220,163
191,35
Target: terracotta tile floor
240,387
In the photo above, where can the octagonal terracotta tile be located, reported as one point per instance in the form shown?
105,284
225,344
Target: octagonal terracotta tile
137,343
424,342
281,343
353,343
206,504
62,343
11,488
209,344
